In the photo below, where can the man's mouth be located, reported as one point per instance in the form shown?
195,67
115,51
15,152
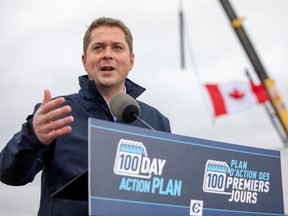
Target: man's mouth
107,68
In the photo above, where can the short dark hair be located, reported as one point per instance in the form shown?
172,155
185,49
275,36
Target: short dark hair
104,21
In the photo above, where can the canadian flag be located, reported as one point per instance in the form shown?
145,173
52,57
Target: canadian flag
235,96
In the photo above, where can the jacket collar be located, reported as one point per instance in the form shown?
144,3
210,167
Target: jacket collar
89,90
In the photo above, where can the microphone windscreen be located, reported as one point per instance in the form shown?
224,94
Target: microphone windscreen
124,107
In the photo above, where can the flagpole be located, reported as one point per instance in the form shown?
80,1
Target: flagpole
181,25
274,97
186,37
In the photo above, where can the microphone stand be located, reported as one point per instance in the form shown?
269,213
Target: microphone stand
143,122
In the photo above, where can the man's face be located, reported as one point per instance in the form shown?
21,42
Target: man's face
108,60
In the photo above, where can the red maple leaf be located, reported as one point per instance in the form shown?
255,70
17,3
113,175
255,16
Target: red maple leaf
236,94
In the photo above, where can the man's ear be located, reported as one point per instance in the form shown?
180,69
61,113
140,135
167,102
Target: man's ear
132,61
83,57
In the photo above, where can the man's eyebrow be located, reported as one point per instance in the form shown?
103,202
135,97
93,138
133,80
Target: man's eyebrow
118,43
97,43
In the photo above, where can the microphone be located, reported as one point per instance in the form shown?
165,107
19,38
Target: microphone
126,109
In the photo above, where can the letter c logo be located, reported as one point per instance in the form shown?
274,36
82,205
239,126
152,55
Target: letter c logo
196,207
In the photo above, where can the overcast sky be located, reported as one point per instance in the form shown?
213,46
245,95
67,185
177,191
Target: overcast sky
41,47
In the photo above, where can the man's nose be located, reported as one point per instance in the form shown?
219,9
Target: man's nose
108,53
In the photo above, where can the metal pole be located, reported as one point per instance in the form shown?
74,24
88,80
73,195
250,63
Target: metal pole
181,24
271,114
255,61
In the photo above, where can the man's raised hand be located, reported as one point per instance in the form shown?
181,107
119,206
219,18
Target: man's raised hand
48,121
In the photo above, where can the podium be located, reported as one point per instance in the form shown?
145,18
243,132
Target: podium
137,171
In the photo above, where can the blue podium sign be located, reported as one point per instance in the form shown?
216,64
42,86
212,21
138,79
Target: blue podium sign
136,171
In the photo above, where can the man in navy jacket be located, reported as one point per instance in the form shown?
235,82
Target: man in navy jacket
54,139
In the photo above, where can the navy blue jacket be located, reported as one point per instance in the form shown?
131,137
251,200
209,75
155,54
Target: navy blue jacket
66,157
